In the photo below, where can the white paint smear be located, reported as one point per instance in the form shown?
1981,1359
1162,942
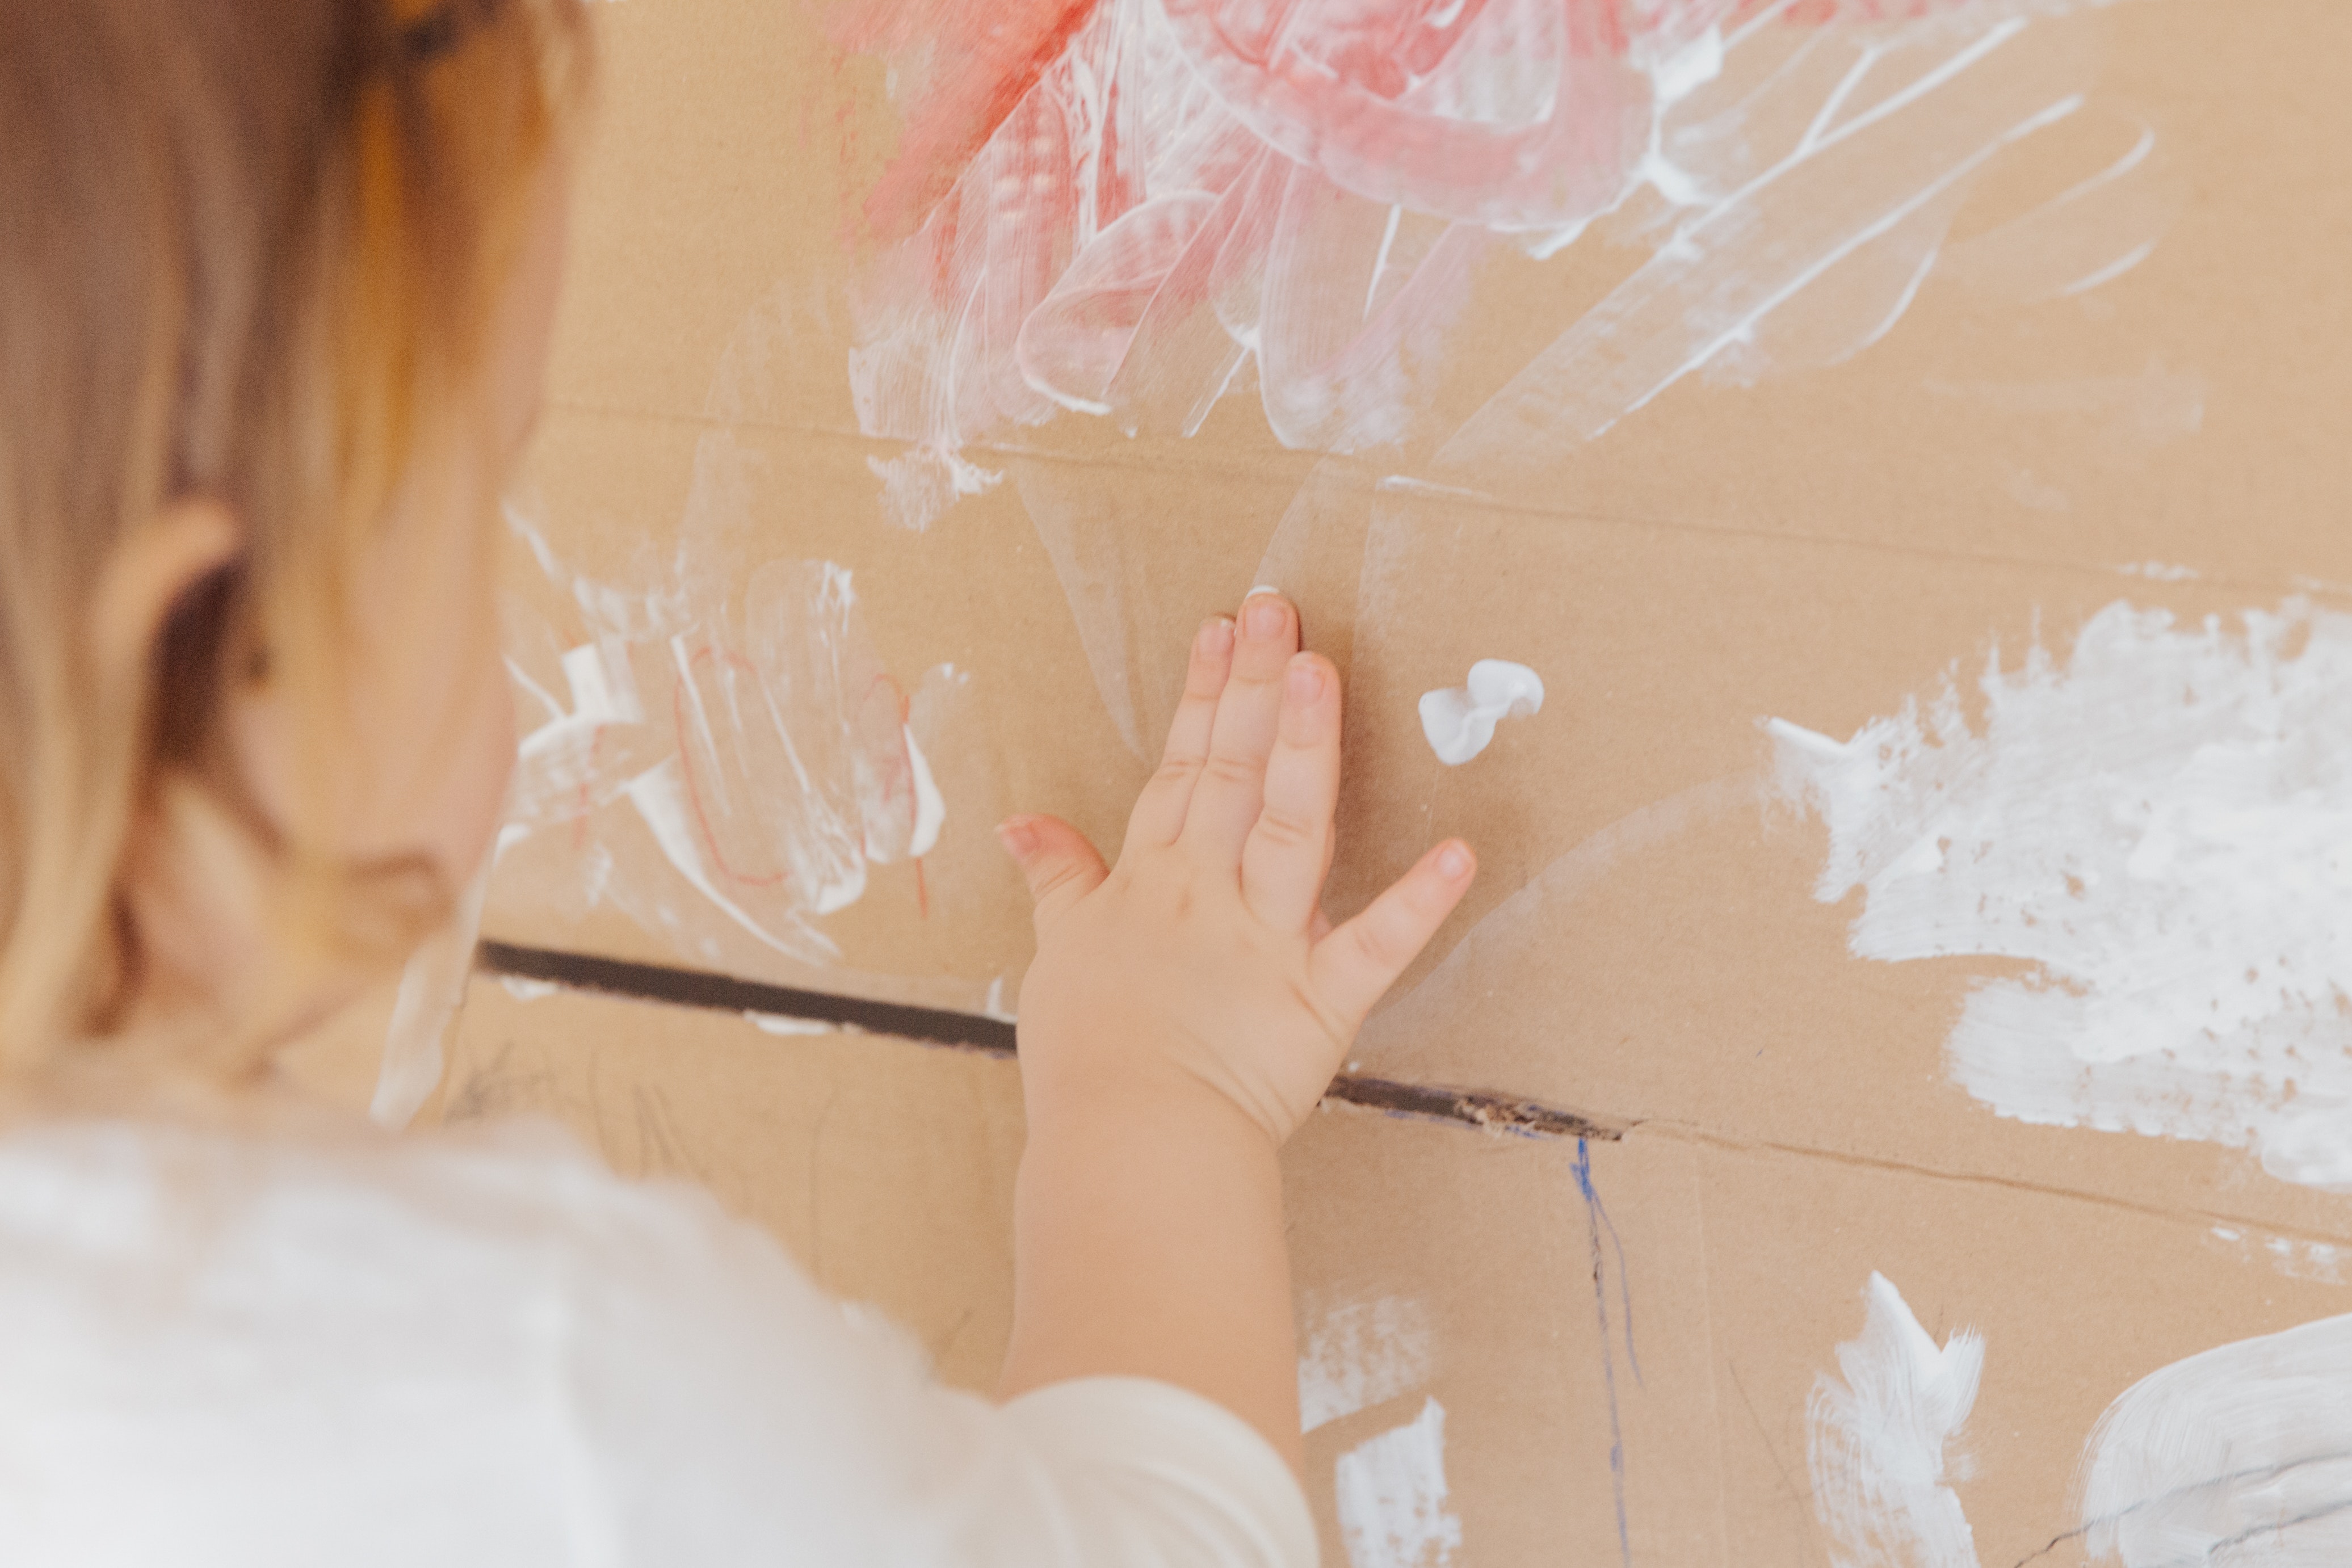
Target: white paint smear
1390,1492
1877,1435
1182,208
2240,1456
1359,1355
1459,721
2161,825
767,756
2321,1262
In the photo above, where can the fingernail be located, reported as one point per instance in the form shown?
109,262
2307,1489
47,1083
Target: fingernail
1264,618
1216,635
1306,681
1018,837
1453,862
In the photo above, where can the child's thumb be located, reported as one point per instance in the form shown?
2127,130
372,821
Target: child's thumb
1060,865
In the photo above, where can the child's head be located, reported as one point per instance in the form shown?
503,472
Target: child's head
276,279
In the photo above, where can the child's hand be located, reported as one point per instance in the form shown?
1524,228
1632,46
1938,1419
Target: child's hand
1202,960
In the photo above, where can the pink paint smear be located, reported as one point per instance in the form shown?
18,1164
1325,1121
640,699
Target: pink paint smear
1132,207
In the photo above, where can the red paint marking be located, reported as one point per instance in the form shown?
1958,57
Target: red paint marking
991,54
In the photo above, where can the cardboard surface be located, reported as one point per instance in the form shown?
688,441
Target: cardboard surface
1827,539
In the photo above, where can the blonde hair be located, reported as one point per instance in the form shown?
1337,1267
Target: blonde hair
251,248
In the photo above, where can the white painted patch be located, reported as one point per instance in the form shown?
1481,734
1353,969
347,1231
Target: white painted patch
1171,214
745,722
2242,1456
1878,1433
777,1023
1459,721
1390,1492
1360,1355
524,990
2162,824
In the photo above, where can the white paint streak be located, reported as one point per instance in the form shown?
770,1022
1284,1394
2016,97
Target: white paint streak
2296,1257
768,758
1390,1492
1877,1435
1359,1355
930,807
777,1023
2162,825
2242,1455
1174,202
1459,721
1808,228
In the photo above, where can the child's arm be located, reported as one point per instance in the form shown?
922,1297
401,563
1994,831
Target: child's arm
1186,1010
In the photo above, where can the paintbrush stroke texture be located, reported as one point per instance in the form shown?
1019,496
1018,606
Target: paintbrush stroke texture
1131,209
1359,1354
1878,1436
2160,824
767,757
2242,1455
1390,1492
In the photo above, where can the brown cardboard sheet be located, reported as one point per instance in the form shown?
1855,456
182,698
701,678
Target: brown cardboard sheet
1829,538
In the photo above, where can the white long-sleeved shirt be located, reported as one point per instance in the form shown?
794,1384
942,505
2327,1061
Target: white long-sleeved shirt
231,1349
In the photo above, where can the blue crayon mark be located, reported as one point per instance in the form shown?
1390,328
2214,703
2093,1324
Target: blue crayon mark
1598,1224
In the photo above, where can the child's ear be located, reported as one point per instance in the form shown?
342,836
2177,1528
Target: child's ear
148,573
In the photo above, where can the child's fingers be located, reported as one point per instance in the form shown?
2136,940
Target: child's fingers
1054,858
1287,853
1232,787
1356,965
1159,814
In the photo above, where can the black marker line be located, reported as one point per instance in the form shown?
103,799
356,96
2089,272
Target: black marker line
976,1031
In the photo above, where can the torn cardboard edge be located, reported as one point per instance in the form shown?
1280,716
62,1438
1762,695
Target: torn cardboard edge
712,992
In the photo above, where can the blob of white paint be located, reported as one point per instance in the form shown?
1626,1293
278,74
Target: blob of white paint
930,807
2240,1455
1460,720
994,1005
1359,1355
1390,1492
2162,823
1877,1435
779,1023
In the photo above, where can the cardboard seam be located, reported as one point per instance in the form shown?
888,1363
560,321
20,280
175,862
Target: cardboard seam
1495,1113
1388,483
1687,1132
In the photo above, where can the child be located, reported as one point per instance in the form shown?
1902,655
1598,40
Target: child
275,286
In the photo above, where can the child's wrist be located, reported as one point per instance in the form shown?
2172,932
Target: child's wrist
1063,1106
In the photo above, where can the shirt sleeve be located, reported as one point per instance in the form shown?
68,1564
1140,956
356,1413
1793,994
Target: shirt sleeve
1133,1471
735,1414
